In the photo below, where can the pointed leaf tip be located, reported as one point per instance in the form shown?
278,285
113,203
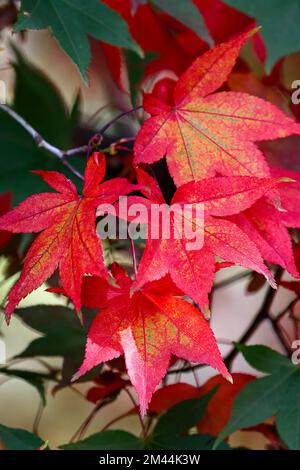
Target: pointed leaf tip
7,318
253,31
76,376
272,282
206,312
229,378
286,179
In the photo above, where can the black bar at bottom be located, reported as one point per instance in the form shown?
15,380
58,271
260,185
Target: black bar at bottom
142,459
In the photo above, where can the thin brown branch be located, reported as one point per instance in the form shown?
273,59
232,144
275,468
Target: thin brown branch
282,335
42,143
144,432
115,420
117,118
38,417
185,369
263,313
62,155
84,426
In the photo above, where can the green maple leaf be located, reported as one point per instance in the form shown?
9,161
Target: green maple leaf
52,119
107,440
71,21
19,439
34,379
277,394
187,13
280,25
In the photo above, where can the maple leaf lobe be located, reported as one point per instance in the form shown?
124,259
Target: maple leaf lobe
206,133
68,239
148,327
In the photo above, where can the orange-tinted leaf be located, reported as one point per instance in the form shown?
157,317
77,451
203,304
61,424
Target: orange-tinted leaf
270,432
249,83
202,134
208,72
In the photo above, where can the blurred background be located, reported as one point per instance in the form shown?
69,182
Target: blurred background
43,85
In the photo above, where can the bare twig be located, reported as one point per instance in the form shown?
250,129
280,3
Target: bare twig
119,116
184,369
38,417
42,143
282,335
263,314
144,432
115,420
62,155
196,377
84,426
118,145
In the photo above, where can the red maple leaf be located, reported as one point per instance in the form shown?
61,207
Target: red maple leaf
289,197
159,40
220,406
166,397
223,21
192,269
267,226
68,237
297,255
264,226
175,45
202,133
109,383
5,205
148,326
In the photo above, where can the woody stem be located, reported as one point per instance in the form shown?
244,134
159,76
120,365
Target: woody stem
42,143
62,155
